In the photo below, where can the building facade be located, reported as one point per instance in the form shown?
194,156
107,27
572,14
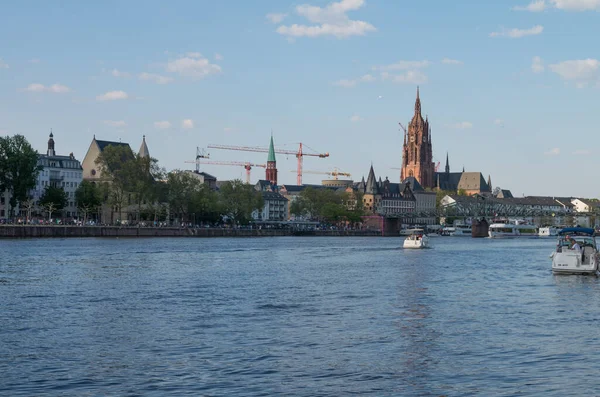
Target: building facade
275,208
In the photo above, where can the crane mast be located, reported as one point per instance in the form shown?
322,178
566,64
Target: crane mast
299,155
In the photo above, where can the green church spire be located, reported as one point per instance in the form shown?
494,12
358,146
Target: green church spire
271,151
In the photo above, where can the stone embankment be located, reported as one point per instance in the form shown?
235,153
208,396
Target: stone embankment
33,231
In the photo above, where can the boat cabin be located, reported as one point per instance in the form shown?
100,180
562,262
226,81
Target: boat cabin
585,237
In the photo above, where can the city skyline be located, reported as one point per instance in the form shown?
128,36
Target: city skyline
507,92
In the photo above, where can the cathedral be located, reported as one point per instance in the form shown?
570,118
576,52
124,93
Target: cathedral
417,161
417,157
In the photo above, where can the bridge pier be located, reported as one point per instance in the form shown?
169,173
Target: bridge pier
390,227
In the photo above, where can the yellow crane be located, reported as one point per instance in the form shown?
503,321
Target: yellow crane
335,173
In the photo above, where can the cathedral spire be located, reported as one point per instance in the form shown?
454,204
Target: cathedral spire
489,182
418,103
447,164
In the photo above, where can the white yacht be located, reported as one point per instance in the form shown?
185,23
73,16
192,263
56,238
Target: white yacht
548,231
462,231
417,239
512,229
569,261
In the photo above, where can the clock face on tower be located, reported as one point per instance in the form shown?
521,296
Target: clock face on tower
412,138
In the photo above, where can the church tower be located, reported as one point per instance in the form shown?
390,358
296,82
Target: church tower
50,151
271,165
417,157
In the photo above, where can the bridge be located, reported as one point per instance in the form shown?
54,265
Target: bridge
482,207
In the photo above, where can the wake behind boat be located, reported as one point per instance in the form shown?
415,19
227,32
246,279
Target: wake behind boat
417,239
566,260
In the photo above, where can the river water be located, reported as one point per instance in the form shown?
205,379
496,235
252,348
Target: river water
293,316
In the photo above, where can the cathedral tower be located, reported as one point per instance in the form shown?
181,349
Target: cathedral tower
417,157
271,165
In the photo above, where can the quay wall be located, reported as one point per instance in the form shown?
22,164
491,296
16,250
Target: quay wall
58,231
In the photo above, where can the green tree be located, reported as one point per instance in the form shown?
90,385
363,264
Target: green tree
53,199
462,192
18,168
88,197
131,178
239,200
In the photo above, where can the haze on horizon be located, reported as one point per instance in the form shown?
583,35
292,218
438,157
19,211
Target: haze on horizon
510,87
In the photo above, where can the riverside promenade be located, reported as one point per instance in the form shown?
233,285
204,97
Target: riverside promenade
60,231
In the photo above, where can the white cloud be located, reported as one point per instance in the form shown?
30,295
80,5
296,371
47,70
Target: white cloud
117,73
228,129
409,77
534,6
218,57
193,65
187,124
403,65
112,96
275,17
553,152
345,83
3,65
449,61
581,72
113,123
518,33
356,118
576,5
463,125
55,88
537,65
367,78
499,122
156,78
331,20
162,125
582,152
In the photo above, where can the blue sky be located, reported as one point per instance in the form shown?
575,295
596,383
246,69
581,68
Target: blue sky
511,88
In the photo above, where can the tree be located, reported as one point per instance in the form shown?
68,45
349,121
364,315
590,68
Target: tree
88,198
130,177
18,168
53,199
28,206
239,200
462,192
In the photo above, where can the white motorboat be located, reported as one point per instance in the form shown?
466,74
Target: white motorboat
417,239
512,229
548,231
462,231
569,261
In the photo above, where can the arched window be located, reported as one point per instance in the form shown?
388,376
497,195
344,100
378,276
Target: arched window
411,173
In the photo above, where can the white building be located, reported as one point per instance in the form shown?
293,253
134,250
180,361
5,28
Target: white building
275,208
59,171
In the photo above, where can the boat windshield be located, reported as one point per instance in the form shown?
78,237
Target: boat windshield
583,241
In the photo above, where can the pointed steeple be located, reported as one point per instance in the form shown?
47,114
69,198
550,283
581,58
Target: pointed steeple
463,168
271,150
143,152
447,164
418,103
371,187
489,182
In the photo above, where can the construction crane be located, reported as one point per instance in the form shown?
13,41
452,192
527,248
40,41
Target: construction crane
299,154
200,154
248,166
335,173
403,128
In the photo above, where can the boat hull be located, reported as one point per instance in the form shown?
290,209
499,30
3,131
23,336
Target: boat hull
416,244
570,262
